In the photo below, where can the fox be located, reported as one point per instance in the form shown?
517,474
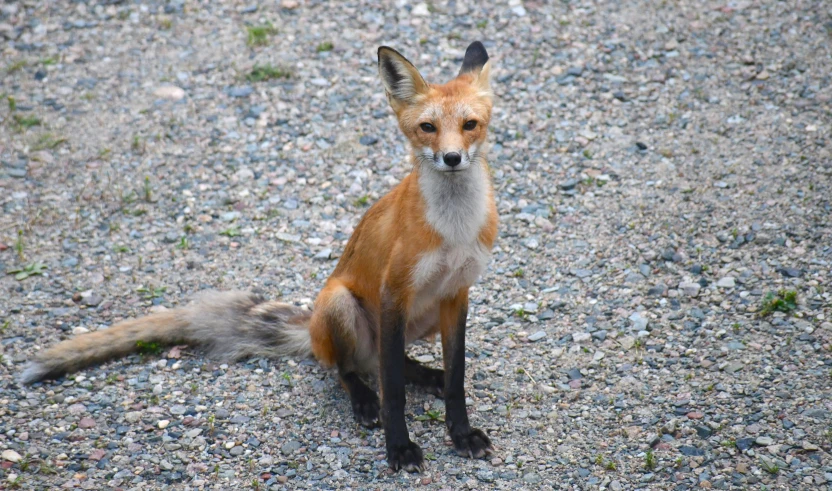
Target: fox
404,275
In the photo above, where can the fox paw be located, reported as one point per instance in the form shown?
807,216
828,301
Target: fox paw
475,444
408,457
366,411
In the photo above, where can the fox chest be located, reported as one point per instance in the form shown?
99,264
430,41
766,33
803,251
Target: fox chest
442,273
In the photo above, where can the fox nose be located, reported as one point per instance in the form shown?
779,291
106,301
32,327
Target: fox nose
452,159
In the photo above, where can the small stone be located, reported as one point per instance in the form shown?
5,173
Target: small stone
86,423
691,451
764,441
690,289
11,456
734,367
580,337
574,374
421,10
289,447
170,92
243,91
764,75
425,358
163,424
658,290
79,330
537,336
809,446
627,342
324,255
744,444
790,272
727,282
639,322
97,454
704,432
575,71
568,184
91,299
368,140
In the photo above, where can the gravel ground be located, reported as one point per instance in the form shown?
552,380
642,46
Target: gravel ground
660,169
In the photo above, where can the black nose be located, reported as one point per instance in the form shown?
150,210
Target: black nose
452,159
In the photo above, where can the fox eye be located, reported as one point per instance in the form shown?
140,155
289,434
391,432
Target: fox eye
469,125
427,127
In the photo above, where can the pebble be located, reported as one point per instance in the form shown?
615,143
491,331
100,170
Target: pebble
86,423
243,91
11,456
170,92
639,321
727,282
537,336
690,289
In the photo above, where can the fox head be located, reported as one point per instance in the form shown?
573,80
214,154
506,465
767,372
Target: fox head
446,124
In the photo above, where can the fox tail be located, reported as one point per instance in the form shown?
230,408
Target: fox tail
227,325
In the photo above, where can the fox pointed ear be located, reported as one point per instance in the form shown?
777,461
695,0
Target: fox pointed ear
476,63
475,58
401,79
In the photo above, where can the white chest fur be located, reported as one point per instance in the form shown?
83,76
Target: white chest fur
442,273
457,209
456,205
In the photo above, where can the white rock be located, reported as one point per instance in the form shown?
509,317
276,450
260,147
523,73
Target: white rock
580,337
79,330
727,282
11,456
421,10
425,358
690,289
163,424
170,92
639,322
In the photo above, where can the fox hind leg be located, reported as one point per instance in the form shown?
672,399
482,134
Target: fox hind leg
342,336
431,379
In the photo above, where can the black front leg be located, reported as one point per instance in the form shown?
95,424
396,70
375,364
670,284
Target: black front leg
468,442
401,452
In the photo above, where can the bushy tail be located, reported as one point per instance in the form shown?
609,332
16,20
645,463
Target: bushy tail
228,325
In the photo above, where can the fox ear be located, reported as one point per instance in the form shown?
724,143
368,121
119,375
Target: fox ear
401,79
476,63
475,58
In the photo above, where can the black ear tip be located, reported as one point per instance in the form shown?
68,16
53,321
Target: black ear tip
475,58
477,48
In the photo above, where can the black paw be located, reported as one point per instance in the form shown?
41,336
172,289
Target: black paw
408,457
366,410
475,444
434,382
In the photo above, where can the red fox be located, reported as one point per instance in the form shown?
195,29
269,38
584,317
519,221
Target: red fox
404,275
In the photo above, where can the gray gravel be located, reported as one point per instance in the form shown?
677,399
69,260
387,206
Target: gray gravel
659,167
